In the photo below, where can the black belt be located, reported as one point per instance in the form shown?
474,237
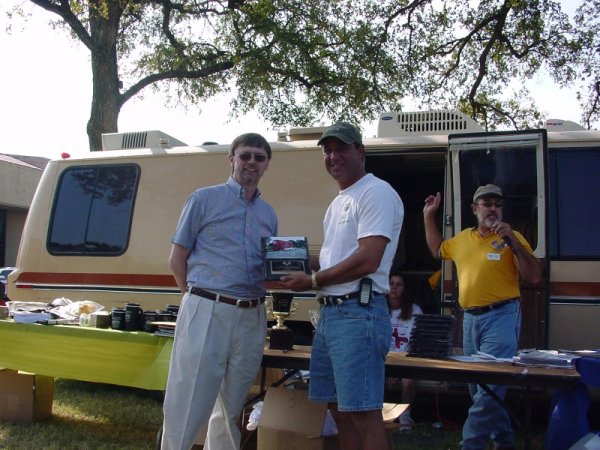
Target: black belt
330,300
479,310
239,302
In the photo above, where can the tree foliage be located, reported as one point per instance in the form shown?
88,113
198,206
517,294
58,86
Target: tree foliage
587,23
300,63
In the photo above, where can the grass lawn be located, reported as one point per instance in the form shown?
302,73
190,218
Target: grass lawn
96,417
90,416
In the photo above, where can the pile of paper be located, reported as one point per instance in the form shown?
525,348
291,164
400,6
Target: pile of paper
28,312
59,309
545,358
30,316
166,329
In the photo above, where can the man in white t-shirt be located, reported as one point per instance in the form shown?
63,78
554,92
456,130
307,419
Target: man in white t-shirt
361,228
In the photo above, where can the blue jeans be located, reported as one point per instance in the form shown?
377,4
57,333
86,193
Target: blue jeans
347,363
496,333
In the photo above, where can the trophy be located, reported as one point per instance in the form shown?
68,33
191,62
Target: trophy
281,337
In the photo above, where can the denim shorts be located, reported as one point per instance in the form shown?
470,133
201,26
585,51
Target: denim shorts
347,363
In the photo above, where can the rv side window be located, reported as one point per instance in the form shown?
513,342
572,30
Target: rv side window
93,208
574,186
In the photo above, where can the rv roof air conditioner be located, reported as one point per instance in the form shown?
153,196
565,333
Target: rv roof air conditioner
301,134
139,139
392,124
562,125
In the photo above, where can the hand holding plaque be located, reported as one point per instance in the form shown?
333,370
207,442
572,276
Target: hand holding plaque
284,255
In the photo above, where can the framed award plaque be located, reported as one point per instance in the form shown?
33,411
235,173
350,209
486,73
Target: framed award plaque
285,255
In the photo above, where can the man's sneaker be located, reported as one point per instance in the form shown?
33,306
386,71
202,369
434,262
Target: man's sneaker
406,423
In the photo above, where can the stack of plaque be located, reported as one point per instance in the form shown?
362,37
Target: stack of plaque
431,336
166,329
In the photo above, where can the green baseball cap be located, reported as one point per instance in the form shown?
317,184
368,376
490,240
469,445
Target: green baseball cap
344,131
487,191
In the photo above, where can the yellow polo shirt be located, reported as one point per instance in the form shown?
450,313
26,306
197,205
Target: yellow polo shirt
487,270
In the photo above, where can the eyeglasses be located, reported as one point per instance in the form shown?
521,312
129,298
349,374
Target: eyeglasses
258,157
489,204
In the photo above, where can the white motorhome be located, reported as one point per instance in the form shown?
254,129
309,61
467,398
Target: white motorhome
99,227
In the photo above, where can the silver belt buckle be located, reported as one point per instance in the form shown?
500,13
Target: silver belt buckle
246,303
330,300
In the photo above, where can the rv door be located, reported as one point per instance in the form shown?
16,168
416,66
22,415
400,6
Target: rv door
515,161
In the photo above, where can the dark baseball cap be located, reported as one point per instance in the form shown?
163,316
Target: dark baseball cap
487,191
344,131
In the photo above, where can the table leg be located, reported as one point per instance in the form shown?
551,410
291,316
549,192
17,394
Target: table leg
263,389
263,374
527,418
526,424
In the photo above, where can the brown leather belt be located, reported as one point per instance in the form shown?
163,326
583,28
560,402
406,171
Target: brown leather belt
479,310
239,302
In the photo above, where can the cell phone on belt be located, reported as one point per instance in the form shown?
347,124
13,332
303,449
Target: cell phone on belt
366,285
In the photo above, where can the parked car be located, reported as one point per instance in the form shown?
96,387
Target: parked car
4,272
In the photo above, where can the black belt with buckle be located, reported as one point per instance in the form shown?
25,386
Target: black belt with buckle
239,302
329,300
479,310
332,300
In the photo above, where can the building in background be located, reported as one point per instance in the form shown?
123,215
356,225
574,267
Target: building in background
19,177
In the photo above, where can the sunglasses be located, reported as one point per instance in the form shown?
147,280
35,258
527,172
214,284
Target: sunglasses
258,157
488,204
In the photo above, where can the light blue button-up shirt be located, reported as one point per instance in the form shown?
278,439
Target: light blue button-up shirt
223,231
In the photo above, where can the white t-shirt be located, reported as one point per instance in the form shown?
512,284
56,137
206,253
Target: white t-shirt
370,207
401,328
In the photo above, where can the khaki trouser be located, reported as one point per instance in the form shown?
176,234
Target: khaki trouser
216,354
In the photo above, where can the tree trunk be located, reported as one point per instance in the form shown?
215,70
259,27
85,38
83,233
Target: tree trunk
106,102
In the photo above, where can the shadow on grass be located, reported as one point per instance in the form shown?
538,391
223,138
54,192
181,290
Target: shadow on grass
91,416
439,416
88,416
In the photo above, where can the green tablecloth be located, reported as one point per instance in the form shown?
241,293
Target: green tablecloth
136,359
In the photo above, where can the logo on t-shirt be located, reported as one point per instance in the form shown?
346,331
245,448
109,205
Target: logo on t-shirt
345,213
399,340
498,245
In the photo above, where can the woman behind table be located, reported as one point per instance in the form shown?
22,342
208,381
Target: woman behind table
402,312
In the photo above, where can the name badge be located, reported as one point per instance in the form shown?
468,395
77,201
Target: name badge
493,256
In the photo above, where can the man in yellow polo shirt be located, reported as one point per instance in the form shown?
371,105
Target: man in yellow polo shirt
490,260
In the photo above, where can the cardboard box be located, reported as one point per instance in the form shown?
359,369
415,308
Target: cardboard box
25,397
289,421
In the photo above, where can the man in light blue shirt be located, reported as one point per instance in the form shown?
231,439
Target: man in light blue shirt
217,261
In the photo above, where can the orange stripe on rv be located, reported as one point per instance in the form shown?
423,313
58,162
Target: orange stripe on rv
100,279
576,289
